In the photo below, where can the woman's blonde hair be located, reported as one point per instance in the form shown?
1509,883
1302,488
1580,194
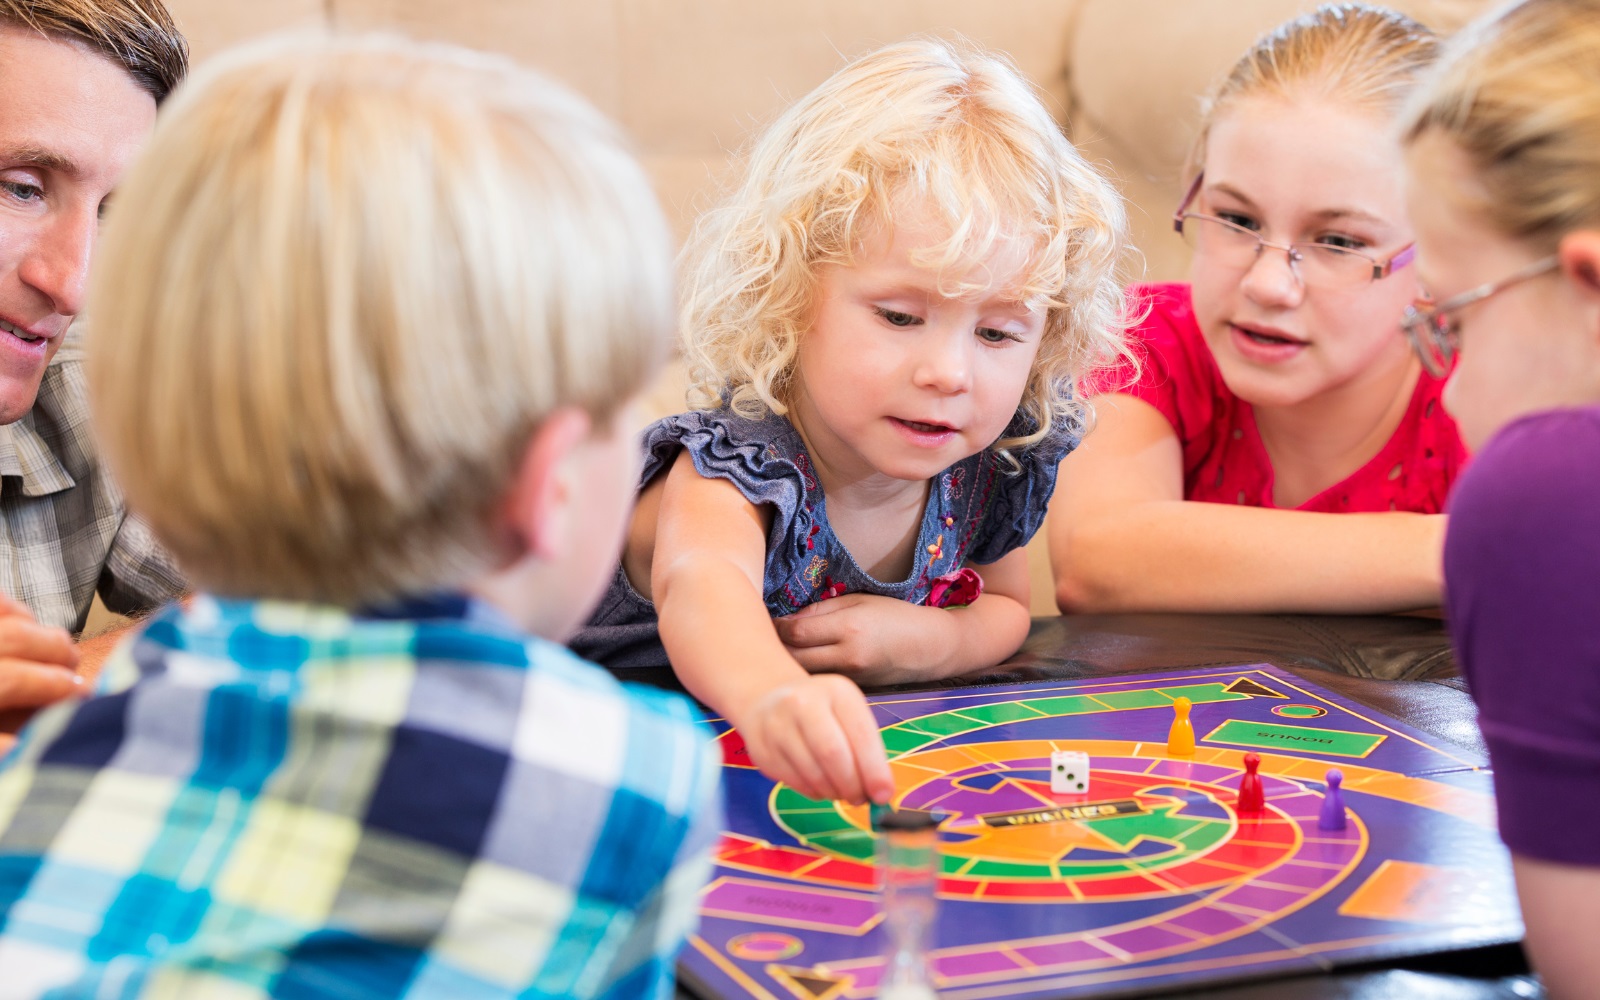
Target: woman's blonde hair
1518,92
958,130
339,292
1361,57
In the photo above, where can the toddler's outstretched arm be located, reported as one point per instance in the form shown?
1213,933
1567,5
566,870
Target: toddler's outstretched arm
812,732
1122,538
881,640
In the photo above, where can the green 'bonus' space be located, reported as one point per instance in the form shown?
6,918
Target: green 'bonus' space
1270,736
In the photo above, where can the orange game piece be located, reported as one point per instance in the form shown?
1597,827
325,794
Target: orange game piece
1180,738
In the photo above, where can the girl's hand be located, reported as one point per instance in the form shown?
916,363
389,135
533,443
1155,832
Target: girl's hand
874,639
818,736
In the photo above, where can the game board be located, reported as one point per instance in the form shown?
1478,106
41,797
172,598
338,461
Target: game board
1149,882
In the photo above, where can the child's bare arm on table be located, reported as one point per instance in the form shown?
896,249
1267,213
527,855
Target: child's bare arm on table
813,732
1123,538
1561,907
881,640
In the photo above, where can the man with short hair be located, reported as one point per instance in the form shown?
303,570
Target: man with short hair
82,80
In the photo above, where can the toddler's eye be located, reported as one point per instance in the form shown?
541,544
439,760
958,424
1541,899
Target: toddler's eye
894,318
989,335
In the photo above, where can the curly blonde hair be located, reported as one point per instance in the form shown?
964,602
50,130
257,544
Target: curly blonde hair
959,130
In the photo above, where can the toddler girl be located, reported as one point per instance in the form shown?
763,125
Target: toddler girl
1276,386
1503,155
883,324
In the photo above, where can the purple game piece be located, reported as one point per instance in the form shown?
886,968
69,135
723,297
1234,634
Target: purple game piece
1332,817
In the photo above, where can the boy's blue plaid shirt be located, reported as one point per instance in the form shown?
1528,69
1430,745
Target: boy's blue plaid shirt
275,799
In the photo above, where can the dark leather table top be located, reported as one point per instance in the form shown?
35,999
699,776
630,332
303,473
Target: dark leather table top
1398,665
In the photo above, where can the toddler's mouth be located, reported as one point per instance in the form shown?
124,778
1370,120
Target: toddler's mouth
923,428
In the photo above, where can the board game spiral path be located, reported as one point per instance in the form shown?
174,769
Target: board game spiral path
1151,880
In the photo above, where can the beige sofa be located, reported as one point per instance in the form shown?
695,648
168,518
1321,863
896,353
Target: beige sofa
692,79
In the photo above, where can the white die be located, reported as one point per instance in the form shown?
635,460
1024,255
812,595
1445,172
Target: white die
1069,772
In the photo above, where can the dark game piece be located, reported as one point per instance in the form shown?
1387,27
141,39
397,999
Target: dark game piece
1332,817
1252,796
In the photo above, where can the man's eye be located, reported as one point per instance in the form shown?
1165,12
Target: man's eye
20,191
1242,221
894,318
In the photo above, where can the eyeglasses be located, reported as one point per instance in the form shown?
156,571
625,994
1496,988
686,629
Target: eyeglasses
1314,265
1435,335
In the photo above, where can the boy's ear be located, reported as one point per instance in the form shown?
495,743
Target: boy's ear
545,487
1580,259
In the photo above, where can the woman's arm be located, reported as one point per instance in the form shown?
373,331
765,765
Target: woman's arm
881,640
813,732
1122,538
1561,908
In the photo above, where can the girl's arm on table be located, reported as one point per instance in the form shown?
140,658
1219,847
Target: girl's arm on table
1561,907
881,640
813,732
1122,538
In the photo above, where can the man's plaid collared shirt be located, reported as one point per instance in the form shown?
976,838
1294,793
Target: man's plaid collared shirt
64,533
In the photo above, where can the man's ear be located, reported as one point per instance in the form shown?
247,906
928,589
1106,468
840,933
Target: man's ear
545,487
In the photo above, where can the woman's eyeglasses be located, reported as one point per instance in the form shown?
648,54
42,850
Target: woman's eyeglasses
1434,333
1315,265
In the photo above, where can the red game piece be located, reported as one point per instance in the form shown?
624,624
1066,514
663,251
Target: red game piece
1252,796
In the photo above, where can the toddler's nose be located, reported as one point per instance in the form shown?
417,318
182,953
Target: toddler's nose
946,364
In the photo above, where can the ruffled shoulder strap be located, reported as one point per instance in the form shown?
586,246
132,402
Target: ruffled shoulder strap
764,459
1017,498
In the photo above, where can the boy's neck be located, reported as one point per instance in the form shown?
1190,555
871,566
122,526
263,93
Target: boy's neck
1321,441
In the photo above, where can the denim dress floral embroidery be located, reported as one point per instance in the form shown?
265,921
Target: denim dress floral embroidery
977,511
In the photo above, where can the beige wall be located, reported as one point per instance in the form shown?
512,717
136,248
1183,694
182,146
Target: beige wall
691,79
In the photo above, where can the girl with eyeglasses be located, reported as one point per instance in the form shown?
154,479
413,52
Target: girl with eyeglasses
1503,165
1278,448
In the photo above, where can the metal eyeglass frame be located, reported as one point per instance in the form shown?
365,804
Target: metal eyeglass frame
1380,268
1428,325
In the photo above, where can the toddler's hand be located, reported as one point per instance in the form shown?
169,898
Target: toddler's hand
874,639
818,736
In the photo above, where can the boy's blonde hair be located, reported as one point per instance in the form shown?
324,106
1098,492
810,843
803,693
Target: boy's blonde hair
1518,92
958,130
1362,57
339,292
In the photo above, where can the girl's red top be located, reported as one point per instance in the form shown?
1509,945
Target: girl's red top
1224,460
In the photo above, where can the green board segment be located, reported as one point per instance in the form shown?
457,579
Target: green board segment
917,734
945,724
1202,694
897,740
1001,712
1299,739
1133,699
1077,704
1301,711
